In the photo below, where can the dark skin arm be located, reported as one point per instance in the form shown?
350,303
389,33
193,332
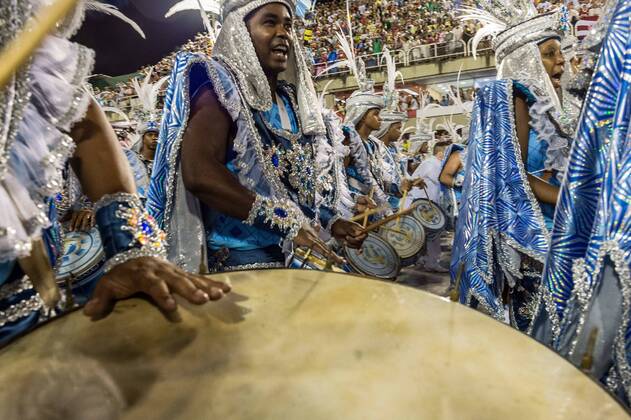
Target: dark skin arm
543,191
204,147
98,153
453,165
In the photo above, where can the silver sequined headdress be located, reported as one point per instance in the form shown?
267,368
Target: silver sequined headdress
516,29
234,46
391,113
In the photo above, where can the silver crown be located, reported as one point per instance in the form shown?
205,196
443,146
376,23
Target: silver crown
532,30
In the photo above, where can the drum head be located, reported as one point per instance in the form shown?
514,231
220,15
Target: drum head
430,215
407,236
82,252
377,259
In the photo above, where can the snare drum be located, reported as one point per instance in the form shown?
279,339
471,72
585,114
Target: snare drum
83,259
407,237
431,217
377,258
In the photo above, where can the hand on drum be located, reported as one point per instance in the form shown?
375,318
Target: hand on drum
156,278
308,238
350,233
82,221
364,203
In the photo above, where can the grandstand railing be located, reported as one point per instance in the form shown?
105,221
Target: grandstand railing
403,58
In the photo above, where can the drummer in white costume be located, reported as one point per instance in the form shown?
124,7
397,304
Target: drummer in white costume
429,172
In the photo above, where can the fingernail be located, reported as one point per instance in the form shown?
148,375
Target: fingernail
200,294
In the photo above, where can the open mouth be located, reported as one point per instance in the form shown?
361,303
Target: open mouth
281,51
556,77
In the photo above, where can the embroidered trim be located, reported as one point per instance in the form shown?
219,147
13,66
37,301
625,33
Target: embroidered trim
132,254
281,214
21,310
16,287
245,267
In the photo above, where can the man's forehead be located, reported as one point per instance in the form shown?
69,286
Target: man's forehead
275,9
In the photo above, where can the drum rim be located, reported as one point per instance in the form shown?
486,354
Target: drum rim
409,217
437,206
99,256
397,260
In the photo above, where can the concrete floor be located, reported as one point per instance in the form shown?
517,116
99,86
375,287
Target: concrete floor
436,283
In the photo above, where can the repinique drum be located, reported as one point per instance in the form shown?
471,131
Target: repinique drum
314,261
377,258
407,237
431,217
295,344
83,259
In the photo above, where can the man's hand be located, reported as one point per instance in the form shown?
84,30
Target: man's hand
158,279
419,183
82,221
308,238
364,203
406,185
349,232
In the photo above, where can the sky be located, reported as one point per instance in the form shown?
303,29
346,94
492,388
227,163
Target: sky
120,50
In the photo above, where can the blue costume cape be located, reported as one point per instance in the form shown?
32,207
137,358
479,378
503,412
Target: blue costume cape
586,287
500,221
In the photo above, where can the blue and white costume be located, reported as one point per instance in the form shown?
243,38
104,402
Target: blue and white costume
273,154
584,312
40,104
388,157
502,236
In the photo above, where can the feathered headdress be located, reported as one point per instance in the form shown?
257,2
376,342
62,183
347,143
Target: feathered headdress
365,98
512,24
391,113
204,7
516,30
147,114
71,24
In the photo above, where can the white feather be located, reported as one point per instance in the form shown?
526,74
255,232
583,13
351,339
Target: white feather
391,71
210,6
148,92
491,25
108,9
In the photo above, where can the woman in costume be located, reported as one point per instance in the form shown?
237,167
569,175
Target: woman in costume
41,104
234,182
584,311
518,146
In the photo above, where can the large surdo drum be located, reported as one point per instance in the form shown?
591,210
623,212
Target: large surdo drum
296,344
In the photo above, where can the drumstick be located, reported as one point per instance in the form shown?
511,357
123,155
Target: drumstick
36,28
431,203
588,358
455,293
403,199
372,191
370,213
306,257
388,219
